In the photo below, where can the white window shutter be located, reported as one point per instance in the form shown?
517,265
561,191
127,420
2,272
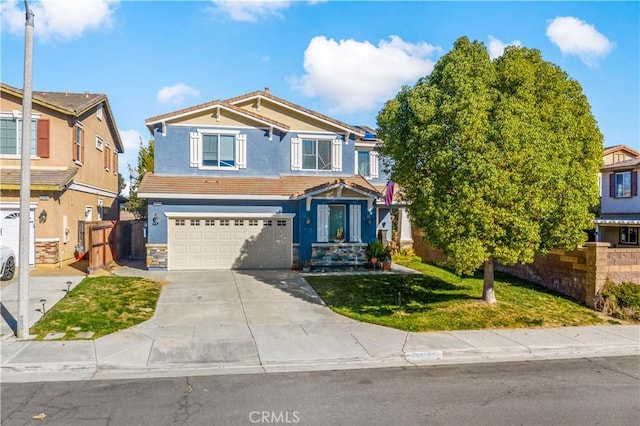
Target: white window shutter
194,149
323,223
336,155
296,154
373,164
241,151
355,223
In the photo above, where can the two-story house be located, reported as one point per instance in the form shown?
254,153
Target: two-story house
259,182
619,220
74,169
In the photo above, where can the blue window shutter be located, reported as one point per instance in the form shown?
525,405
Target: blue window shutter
355,223
634,183
323,223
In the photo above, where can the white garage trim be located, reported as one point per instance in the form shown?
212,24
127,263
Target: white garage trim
196,215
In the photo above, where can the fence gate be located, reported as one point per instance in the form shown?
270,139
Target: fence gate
102,245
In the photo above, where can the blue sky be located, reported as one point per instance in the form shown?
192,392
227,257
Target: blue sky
344,59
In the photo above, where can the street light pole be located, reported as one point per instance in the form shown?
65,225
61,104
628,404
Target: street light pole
25,181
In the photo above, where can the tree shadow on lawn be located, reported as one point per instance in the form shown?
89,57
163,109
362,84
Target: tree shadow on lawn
383,295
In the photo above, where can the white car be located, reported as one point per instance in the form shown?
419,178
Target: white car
7,263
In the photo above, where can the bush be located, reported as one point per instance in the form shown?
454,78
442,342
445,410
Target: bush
620,300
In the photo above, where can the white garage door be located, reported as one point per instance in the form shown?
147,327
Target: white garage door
10,232
229,243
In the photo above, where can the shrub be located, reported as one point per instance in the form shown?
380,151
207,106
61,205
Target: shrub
620,300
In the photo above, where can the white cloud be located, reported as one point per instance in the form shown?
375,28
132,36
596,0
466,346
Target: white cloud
176,94
59,19
358,76
251,10
576,37
496,47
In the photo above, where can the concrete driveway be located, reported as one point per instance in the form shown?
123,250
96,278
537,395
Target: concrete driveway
243,318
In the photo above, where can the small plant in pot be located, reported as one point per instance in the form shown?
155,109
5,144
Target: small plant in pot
375,252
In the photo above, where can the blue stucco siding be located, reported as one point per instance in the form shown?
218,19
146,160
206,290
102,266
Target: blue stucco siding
309,232
157,234
263,153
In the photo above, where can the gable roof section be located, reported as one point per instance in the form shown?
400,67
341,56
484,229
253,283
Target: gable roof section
282,188
72,104
297,108
616,148
41,179
634,163
213,105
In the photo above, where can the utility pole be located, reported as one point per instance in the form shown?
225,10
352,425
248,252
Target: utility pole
25,181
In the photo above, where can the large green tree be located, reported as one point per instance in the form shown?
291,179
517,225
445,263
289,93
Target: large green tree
498,159
138,206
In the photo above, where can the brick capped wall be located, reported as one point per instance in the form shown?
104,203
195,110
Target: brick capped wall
580,274
48,251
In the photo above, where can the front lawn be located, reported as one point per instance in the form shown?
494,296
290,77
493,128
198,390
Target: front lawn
101,305
440,300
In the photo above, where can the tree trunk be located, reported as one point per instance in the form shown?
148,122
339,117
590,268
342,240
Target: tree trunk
488,293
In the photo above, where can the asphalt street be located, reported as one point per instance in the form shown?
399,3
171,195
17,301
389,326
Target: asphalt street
585,391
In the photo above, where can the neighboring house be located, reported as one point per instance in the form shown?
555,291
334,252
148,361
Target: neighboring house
259,182
74,169
619,220
616,154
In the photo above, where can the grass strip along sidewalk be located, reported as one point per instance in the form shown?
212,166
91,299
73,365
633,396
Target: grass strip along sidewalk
440,300
101,305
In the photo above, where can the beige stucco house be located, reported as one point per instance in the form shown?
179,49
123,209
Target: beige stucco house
74,170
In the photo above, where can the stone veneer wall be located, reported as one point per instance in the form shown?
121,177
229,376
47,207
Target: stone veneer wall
338,254
157,256
48,251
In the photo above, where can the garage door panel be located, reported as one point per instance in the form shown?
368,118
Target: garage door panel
233,243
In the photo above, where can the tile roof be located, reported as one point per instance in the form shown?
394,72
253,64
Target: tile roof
49,179
621,165
71,103
211,186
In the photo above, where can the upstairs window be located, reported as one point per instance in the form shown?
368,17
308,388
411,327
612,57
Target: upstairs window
11,136
217,150
623,184
316,154
78,144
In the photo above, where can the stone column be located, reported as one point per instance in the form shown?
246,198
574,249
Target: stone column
404,224
597,270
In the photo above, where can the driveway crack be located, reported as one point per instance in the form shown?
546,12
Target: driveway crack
246,320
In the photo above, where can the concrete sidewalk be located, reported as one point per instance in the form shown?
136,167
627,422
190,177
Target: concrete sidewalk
225,322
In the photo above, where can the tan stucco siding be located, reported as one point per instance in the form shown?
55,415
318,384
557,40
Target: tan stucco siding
210,118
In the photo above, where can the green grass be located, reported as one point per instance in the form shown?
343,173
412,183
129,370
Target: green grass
102,305
440,300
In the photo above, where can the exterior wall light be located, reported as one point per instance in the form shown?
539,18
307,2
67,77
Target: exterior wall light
156,219
308,220
43,216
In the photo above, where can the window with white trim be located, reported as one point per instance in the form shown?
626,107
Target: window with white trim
99,143
218,150
11,136
316,153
